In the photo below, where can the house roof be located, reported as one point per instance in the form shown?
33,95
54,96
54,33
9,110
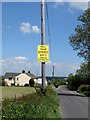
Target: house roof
13,75
31,75
7,75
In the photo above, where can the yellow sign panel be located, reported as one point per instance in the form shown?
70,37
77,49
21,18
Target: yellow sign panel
43,53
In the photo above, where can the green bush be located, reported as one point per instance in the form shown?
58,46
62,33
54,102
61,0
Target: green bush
87,93
82,88
85,89
74,82
58,82
36,105
88,88
49,82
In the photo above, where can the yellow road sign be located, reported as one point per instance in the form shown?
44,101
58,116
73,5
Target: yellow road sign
43,53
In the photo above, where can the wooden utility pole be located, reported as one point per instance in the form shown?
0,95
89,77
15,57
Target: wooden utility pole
42,42
88,19
53,73
89,4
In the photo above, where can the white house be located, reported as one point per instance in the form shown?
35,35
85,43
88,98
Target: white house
19,79
39,81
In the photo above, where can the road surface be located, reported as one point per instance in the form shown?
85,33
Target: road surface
72,104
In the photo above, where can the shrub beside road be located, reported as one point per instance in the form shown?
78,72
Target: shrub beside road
79,84
84,89
35,105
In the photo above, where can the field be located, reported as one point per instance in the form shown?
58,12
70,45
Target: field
10,92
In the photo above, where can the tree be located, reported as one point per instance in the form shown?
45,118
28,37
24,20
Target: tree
2,82
83,73
74,81
80,40
58,82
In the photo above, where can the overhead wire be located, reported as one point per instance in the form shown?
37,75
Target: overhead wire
49,35
48,28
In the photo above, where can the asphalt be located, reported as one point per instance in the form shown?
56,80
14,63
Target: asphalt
72,104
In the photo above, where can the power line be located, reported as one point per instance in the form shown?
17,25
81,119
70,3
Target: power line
49,35
47,16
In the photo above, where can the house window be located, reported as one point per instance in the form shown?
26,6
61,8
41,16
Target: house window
10,78
17,79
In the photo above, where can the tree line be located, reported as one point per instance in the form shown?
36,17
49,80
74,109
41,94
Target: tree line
80,41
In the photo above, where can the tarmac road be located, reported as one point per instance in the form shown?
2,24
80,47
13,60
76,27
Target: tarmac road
72,104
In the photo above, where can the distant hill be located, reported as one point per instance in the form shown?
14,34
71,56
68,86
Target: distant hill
51,78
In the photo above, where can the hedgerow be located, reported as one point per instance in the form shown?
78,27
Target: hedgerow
36,105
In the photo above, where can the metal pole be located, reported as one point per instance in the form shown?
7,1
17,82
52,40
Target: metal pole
42,42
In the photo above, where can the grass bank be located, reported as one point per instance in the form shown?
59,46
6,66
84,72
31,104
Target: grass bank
35,105
11,92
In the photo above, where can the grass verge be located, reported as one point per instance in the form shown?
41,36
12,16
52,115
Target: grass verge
35,105
11,92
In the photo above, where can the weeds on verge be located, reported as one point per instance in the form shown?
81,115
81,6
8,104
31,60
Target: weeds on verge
42,104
